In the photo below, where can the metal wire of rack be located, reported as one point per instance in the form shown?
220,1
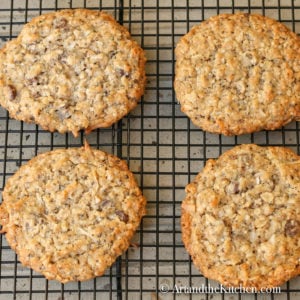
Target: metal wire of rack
161,146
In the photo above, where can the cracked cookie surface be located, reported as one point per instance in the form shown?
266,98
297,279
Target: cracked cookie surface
71,70
239,73
241,217
70,213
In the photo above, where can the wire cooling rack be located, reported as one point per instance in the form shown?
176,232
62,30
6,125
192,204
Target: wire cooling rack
161,146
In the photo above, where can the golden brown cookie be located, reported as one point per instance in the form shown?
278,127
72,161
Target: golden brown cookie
241,217
71,70
70,213
239,73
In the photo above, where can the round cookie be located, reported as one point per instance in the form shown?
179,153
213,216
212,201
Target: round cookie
70,213
241,217
239,73
71,70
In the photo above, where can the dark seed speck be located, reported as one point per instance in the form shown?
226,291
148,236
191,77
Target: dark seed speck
292,228
122,216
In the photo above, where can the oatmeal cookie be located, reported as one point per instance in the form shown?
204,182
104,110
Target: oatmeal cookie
70,70
241,217
70,213
239,73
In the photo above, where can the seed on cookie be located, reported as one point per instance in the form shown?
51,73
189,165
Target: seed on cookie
70,70
292,228
240,218
239,73
70,213
11,92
